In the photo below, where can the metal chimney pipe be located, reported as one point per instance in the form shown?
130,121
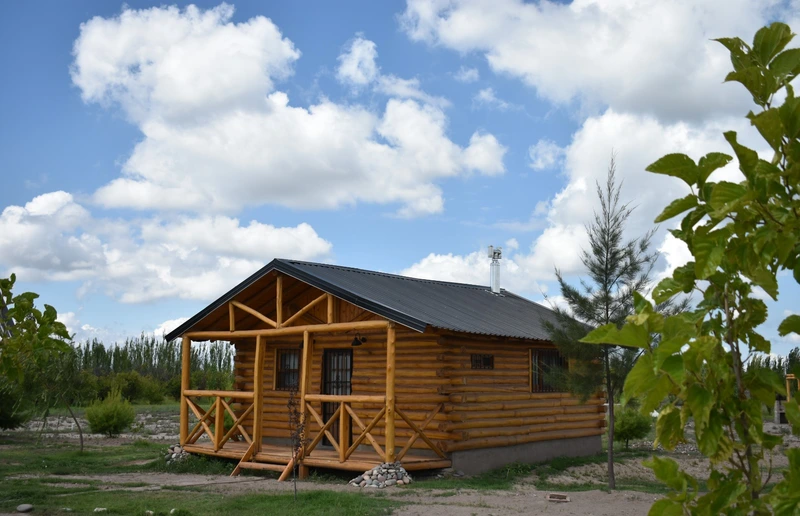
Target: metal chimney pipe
495,253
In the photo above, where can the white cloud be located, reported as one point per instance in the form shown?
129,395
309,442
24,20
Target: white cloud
357,66
70,320
164,62
465,74
167,326
53,238
225,147
407,89
545,154
642,56
487,97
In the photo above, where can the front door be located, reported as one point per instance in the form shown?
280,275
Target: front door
337,373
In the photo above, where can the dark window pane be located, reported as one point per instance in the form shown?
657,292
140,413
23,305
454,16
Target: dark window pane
544,362
482,361
287,377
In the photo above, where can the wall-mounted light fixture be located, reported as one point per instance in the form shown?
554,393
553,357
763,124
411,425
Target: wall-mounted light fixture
358,340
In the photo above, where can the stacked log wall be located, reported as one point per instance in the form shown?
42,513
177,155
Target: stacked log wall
495,407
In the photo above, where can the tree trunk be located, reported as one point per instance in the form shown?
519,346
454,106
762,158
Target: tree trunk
71,413
612,482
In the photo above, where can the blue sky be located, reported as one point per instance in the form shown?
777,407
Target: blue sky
153,156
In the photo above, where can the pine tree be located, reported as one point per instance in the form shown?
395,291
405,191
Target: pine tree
616,268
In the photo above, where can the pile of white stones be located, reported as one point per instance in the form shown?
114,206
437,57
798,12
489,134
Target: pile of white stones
176,454
388,474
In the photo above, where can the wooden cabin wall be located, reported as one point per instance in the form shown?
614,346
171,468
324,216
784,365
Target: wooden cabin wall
495,407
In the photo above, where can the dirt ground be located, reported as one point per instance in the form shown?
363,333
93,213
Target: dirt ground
524,499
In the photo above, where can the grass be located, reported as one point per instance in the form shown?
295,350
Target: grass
83,500
29,473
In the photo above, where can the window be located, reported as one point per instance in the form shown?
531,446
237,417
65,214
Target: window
287,369
482,361
543,363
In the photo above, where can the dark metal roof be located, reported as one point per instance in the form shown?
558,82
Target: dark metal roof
415,303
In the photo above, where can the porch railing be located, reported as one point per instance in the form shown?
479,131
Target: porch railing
214,416
346,416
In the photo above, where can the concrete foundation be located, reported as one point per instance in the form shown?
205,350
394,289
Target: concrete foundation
472,462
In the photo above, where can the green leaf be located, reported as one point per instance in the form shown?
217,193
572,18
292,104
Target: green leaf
740,57
770,126
669,428
673,366
787,62
641,378
761,83
725,196
700,402
789,325
790,116
748,158
711,162
666,507
677,207
710,440
770,40
677,165
630,335
796,271
666,470
708,254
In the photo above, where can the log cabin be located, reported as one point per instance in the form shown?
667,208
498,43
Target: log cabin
382,368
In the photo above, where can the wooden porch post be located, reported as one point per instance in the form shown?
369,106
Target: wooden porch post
258,393
279,300
305,384
186,354
390,376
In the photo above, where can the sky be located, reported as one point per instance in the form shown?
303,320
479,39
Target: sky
153,155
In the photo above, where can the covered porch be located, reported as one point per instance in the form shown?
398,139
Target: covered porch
344,439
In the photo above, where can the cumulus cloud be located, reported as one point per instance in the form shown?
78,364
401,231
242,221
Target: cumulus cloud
54,238
642,56
226,146
357,66
465,74
545,154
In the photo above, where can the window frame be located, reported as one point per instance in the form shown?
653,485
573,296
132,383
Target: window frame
279,375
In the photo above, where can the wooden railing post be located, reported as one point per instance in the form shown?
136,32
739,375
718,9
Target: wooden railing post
344,432
390,378
258,393
186,354
219,423
305,380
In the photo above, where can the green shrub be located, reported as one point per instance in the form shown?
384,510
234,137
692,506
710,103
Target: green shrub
152,391
110,416
631,424
173,387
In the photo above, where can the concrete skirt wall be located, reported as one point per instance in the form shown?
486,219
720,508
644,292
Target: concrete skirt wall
472,462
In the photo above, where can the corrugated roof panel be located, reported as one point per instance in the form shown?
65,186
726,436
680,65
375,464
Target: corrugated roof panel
413,302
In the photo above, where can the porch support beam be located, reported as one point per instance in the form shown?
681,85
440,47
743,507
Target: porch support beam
258,389
186,344
390,379
288,330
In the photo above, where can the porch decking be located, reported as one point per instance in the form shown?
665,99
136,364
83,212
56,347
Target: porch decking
318,458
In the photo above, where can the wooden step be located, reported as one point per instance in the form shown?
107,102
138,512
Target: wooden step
262,465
